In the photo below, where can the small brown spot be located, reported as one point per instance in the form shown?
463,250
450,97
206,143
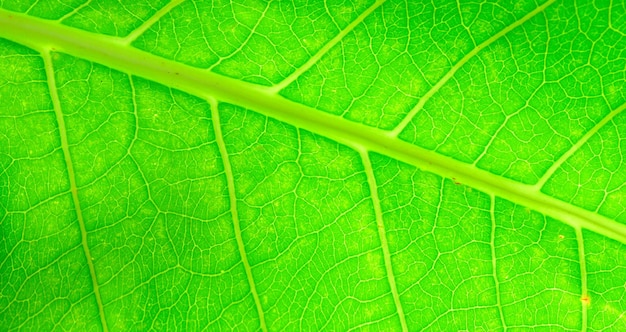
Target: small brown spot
561,236
585,300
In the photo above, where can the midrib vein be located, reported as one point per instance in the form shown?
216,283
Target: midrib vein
217,127
382,234
73,188
43,35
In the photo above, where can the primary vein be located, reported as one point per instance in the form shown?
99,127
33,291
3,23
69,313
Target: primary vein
41,35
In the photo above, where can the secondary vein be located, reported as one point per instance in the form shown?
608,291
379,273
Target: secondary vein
73,188
492,212
548,174
315,58
233,209
382,234
584,300
149,22
420,104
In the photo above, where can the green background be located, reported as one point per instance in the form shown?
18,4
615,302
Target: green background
312,165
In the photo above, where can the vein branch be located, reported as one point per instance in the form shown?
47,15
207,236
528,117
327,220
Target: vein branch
149,22
74,11
420,104
494,260
233,209
584,299
245,42
315,58
382,234
73,188
548,174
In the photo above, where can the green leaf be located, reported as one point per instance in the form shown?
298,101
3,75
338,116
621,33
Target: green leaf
312,165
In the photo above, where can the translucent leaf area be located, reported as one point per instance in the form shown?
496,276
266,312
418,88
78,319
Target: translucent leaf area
199,165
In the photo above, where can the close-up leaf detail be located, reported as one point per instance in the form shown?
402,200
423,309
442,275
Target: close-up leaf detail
375,165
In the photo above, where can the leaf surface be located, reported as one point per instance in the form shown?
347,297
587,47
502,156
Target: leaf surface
249,165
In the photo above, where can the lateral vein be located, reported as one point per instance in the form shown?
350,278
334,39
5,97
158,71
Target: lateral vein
492,212
420,104
149,22
584,299
233,210
382,234
546,176
72,178
315,58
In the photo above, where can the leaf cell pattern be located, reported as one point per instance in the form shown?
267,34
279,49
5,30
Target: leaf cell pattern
312,165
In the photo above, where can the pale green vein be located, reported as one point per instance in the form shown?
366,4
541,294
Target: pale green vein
76,10
72,178
149,22
548,174
245,42
465,26
584,298
420,104
219,138
315,58
382,234
41,35
492,212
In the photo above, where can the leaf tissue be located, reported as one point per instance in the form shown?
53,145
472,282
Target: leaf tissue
375,165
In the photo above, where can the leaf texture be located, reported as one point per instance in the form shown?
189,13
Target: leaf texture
312,165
